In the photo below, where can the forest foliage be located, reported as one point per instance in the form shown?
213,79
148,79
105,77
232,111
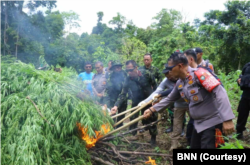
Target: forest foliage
224,36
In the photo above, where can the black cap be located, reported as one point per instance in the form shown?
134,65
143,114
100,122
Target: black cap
166,70
198,50
115,64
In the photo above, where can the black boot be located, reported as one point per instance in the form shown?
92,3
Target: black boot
240,135
153,140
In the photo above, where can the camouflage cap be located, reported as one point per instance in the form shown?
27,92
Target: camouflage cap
115,63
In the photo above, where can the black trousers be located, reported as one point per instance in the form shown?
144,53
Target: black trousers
243,110
190,128
153,118
204,139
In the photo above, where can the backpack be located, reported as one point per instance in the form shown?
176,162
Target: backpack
208,69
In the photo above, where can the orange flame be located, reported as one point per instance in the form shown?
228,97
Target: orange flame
90,142
151,161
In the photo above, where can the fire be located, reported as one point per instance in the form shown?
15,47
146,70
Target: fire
90,142
151,161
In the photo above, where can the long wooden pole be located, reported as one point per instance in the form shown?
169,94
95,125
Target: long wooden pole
125,133
125,112
125,126
143,106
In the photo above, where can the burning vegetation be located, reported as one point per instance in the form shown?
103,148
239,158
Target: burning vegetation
91,141
41,116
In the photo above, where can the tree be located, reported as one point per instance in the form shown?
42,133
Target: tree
232,27
100,27
118,21
166,22
133,49
71,20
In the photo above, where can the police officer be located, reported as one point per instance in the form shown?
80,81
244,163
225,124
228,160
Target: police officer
195,58
147,59
139,82
209,105
244,105
115,83
201,61
99,82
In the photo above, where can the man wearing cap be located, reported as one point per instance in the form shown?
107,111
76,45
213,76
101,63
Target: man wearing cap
209,105
147,59
201,61
139,82
99,82
115,83
180,105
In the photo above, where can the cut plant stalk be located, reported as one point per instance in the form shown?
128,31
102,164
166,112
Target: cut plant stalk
125,126
143,106
122,113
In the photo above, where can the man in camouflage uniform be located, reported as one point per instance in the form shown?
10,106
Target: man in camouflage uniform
115,83
147,59
99,82
139,83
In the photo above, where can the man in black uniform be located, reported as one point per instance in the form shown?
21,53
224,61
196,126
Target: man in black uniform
115,83
139,82
244,105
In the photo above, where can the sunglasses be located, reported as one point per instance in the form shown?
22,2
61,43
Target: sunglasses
171,67
129,70
97,67
88,66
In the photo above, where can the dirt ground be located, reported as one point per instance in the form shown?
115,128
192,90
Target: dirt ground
164,141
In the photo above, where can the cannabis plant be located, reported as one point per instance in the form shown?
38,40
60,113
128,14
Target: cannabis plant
39,112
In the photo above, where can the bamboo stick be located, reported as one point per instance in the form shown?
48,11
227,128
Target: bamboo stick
125,126
131,109
143,106
124,133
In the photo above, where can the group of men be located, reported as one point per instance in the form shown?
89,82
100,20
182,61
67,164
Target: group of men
190,86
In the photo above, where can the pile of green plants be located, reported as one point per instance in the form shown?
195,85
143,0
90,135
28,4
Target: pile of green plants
51,136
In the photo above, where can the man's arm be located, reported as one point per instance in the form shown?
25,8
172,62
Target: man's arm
159,89
165,102
224,109
123,95
107,91
166,92
93,87
223,103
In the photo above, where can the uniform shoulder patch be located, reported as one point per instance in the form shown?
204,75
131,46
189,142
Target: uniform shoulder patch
207,80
